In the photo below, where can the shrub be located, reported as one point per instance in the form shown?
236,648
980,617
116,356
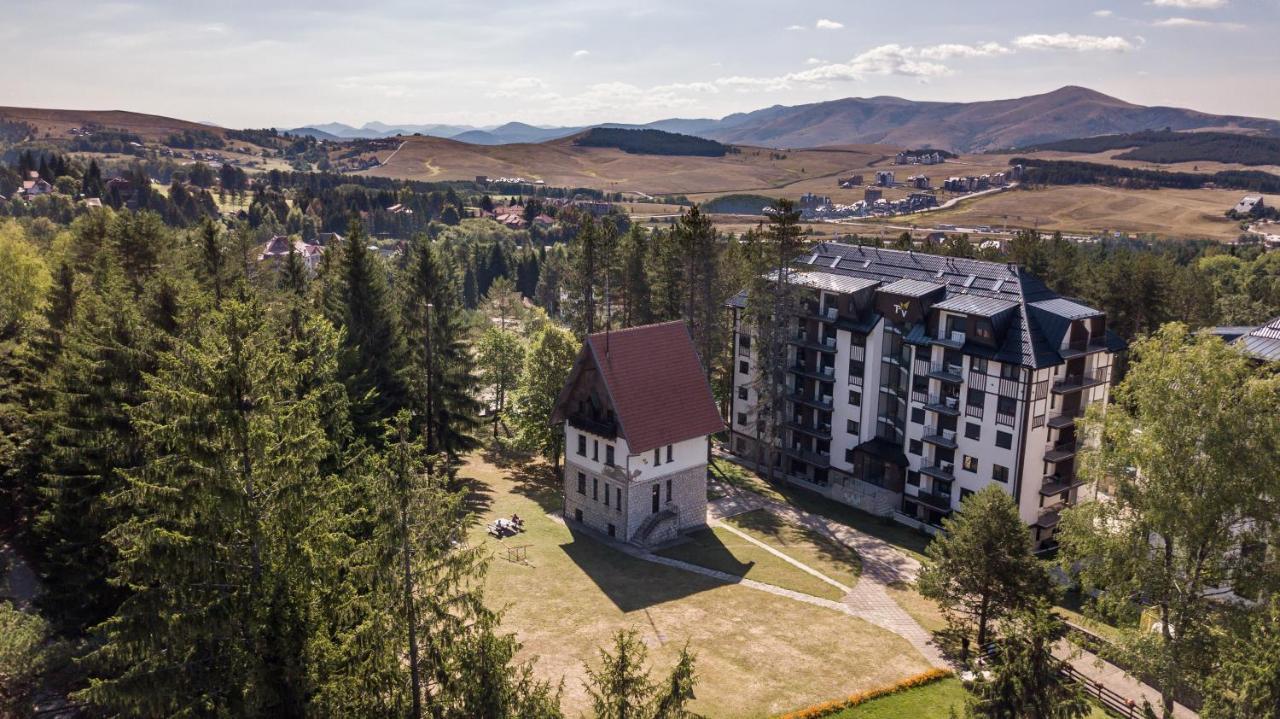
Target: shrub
837,705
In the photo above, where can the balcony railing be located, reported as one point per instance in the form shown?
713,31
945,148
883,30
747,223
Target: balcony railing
953,373
1078,381
821,430
1065,418
1057,484
819,459
935,500
953,338
940,437
601,427
1061,451
817,400
1079,348
940,470
944,404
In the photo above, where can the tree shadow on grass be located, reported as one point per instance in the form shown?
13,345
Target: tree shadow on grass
633,584
533,477
478,498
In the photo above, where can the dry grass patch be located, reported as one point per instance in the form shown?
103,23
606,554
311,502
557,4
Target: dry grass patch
809,547
757,653
724,551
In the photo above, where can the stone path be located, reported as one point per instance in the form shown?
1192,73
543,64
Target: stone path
793,562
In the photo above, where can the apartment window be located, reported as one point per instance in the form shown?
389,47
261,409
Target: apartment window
742,393
851,426
1006,405
855,398
972,430
595,450
856,367
917,415
669,450
1004,440
582,446
913,478
1009,371
742,418
965,494
978,364
657,456
668,490
999,474
595,488
608,454
744,343
744,367
970,464
977,398
582,483
915,447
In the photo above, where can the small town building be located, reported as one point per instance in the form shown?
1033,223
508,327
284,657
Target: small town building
638,415
277,249
1249,204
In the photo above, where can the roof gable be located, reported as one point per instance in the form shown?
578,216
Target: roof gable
655,384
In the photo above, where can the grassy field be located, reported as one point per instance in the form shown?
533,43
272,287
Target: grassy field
1086,209
931,701
560,163
904,538
802,544
574,593
722,550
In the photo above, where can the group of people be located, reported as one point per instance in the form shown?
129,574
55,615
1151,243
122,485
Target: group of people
503,527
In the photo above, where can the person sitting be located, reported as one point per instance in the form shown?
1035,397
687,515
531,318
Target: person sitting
517,521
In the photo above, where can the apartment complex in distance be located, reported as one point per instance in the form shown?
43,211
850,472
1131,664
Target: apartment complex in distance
913,380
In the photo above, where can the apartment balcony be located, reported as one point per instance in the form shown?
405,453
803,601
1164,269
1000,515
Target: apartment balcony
817,459
802,339
1065,418
821,431
953,373
940,470
1049,518
949,406
1055,484
607,429
826,314
825,374
822,402
940,437
953,339
1060,452
937,501
1079,381
1080,349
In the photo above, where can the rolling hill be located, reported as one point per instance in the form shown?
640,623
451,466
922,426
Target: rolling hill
1069,112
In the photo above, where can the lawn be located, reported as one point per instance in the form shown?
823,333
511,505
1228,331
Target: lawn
802,544
925,611
757,653
718,548
901,536
931,701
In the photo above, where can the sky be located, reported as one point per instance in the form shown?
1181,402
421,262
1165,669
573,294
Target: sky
287,63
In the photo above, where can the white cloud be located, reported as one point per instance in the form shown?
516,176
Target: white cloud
1102,13
795,27
825,24
1079,43
580,53
1191,22
1190,4
813,61
950,50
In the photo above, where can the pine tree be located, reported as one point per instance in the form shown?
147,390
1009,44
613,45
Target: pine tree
440,359
634,284
1024,674
621,687
372,367
90,437
212,267
982,567
227,537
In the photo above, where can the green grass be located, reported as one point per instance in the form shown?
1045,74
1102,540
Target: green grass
718,548
931,701
934,700
811,548
905,538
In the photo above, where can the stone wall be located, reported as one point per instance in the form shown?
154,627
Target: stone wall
688,502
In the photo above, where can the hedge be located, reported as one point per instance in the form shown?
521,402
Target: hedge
837,705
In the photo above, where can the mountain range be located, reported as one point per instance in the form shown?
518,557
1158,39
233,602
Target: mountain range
1068,112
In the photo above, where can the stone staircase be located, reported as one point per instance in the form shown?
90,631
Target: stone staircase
652,523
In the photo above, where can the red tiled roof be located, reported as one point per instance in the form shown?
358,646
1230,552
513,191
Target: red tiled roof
656,384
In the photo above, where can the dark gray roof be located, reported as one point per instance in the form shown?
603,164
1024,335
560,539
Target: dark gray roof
1064,307
911,288
976,305
1263,342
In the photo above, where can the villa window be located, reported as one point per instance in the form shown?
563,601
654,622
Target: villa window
582,445
595,488
669,448
608,454
595,450
657,457
668,490
582,483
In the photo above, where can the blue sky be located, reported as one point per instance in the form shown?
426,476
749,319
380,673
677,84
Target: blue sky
285,63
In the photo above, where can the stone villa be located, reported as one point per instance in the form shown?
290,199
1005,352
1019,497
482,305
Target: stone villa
637,414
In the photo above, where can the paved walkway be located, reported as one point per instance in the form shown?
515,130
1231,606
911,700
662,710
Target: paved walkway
1100,671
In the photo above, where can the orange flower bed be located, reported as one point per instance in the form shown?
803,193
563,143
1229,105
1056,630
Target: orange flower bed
835,705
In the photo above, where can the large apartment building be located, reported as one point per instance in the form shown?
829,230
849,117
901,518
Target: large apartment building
913,380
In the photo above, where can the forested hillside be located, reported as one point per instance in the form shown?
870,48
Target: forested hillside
650,142
1167,146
